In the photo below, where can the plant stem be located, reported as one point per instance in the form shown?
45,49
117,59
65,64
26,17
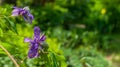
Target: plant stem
9,55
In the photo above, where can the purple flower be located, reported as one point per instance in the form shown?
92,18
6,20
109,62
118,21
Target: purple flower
36,43
23,12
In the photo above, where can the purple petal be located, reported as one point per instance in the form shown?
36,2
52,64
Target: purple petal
42,38
25,17
31,16
23,12
27,40
36,32
37,54
28,17
15,12
33,52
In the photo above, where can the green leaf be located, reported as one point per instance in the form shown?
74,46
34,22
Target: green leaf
12,25
54,59
1,32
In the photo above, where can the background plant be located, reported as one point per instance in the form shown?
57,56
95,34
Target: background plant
81,30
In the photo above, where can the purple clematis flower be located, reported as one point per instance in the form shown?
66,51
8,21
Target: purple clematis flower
23,12
36,43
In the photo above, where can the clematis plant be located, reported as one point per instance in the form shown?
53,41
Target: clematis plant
36,43
23,12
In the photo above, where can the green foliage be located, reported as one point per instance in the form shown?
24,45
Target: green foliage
76,31
5,17
19,50
83,56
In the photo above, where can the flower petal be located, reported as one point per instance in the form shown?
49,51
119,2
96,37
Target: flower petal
42,38
27,40
36,32
37,54
15,12
25,17
33,52
28,17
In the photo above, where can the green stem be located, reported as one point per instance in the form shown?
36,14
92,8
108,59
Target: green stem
9,55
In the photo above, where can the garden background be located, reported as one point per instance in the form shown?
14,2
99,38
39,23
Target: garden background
80,33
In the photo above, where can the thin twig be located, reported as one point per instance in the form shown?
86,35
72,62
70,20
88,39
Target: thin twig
9,55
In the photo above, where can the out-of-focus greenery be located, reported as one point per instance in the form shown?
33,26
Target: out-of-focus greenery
80,33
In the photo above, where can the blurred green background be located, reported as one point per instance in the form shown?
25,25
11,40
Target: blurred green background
80,33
